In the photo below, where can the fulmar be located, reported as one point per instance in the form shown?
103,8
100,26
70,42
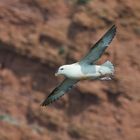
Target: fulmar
86,68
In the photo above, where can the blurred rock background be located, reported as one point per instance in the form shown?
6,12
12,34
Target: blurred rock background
37,36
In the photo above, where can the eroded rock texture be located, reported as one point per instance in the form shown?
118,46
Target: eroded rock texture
36,36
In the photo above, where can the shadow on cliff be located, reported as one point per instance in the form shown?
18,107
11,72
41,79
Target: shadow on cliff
78,102
38,73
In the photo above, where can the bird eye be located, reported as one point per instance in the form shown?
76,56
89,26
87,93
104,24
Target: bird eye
61,68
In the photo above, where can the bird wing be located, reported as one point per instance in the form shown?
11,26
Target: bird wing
99,47
59,91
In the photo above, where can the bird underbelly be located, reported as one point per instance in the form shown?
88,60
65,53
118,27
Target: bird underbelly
85,72
84,77
80,77
89,76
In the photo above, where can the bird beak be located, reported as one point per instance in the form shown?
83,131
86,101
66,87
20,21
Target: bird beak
56,74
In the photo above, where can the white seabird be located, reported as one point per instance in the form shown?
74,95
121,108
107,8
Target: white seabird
85,68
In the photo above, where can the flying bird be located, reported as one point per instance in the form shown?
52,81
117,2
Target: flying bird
86,68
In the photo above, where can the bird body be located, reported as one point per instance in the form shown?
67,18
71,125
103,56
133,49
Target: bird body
84,71
86,68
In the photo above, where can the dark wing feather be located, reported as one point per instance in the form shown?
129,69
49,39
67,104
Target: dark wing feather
59,91
98,49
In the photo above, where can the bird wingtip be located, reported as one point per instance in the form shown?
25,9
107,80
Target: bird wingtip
113,27
44,104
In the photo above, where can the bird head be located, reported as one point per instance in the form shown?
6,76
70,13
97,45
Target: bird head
62,70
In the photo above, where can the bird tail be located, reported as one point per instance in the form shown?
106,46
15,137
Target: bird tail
109,65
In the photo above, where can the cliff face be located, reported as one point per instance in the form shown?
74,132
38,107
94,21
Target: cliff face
36,36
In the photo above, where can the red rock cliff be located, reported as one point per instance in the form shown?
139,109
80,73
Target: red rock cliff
36,36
